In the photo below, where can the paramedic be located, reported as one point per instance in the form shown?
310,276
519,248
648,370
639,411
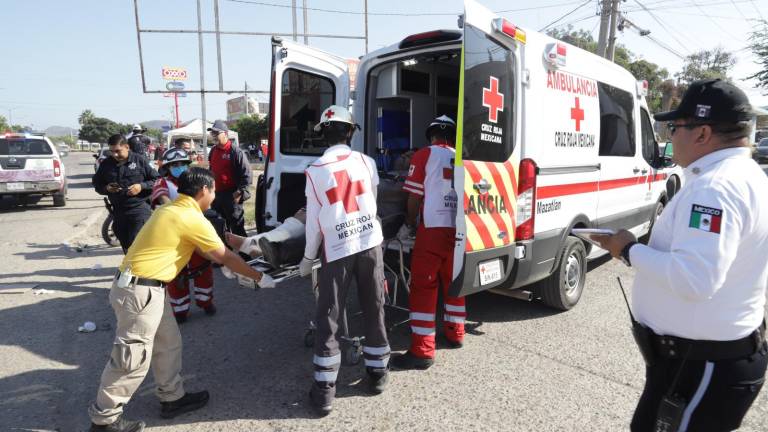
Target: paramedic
699,295
433,200
146,332
126,179
342,228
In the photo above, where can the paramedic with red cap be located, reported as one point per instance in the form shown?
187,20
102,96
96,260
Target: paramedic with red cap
343,231
433,199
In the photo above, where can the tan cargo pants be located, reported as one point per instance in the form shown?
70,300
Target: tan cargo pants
146,330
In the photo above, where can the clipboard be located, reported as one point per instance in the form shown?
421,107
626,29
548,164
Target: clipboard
587,233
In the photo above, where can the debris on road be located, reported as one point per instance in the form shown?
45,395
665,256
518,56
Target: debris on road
87,327
42,291
16,288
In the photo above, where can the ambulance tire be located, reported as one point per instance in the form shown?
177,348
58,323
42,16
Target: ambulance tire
654,217
563,288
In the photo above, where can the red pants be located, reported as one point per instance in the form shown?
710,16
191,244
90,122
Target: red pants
432,264
178,289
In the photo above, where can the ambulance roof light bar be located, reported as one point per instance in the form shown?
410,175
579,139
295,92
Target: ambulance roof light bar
503,26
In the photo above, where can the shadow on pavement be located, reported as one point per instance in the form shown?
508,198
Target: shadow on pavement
59,251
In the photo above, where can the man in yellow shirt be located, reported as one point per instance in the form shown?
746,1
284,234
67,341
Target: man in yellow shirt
146,330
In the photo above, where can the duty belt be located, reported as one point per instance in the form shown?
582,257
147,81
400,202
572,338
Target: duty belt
143,282
676,347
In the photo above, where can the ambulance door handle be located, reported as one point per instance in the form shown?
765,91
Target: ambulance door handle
644,171
636,170
482,186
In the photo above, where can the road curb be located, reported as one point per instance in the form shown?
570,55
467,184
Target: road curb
85,225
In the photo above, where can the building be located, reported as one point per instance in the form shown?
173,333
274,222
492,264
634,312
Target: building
236,108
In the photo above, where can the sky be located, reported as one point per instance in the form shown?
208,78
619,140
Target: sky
63,57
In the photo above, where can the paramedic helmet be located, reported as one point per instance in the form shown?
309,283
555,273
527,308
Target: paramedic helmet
335,113
442,125
175,155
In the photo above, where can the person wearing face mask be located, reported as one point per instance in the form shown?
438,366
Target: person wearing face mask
199,271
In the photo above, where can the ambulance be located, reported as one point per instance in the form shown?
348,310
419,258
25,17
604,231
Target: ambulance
549,138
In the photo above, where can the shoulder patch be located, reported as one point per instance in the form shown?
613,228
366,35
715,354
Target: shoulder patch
706,218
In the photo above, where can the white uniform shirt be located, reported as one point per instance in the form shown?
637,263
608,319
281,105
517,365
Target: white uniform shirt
341,204
431,175
704,272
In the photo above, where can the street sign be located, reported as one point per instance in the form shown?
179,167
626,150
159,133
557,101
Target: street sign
171,94
174,74
174,86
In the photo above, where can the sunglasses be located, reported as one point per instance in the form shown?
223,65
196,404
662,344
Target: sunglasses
673,127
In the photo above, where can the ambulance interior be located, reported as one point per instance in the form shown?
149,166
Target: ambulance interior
403,97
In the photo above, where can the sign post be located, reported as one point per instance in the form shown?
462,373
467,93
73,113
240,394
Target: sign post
175,86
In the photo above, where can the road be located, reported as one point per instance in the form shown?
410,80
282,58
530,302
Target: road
524,367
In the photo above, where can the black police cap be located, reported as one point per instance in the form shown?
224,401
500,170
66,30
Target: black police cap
711,101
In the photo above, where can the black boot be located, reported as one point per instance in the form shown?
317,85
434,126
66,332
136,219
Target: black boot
210,310
188,402
121,425
271,252
377,381
321,400
407,361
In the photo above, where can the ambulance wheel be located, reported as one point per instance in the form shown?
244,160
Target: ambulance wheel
562,290
309,338
654,217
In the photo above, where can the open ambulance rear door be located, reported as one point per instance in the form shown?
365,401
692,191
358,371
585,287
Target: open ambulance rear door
488,153
304,82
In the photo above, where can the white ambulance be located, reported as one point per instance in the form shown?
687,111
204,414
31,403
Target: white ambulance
550,138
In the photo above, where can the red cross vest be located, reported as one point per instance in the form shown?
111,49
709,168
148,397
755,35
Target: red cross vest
431,175
343,183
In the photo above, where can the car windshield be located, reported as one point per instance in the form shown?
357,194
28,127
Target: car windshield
763,143
24,147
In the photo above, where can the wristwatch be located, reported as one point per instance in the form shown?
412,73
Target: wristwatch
625,253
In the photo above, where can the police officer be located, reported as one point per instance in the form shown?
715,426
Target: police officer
232,169
432,202
127,179
341,227
699,294
139,142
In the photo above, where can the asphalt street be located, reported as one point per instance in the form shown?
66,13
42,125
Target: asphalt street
524,367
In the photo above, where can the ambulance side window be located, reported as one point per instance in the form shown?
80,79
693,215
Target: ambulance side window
617,136
303,97
650,148
489,98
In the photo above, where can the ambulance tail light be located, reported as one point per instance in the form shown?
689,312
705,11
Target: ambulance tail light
642,88
56,168
503,26
526,200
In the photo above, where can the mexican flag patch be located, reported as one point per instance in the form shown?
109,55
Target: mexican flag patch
706,218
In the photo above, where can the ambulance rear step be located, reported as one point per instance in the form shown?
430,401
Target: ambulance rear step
515,293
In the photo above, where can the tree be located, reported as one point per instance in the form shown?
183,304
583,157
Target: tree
252,128
154,133
641,69
706,64
4,126
98,129
759,46
86,116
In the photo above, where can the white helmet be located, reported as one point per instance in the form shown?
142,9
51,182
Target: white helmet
137,128
335,113
442,122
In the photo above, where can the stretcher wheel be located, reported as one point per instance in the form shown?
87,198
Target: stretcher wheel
352,355
309,338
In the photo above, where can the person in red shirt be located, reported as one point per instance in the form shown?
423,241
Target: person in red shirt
433,200
199,270
232,170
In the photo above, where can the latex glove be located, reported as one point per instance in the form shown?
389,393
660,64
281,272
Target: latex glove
266,282
305,267
246,282
406,232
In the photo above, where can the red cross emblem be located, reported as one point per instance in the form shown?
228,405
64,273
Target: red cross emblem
577,114
329,114
493,100
346,191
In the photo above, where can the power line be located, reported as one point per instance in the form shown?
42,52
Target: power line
754,5
401,14
715,22
663,25
569,13
739,10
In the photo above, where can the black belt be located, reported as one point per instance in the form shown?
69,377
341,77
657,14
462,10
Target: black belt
676,347
143,282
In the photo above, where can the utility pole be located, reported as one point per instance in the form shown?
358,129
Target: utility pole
614,22
366,26
306,25
293,9
245,98
605,16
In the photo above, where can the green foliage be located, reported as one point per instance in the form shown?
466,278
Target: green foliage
154,133
759,46
706,64
4,126
252,128
99,129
